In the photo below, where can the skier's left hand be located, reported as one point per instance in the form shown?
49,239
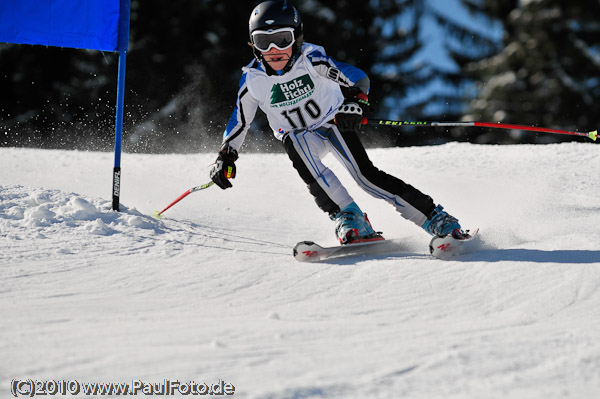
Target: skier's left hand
350,114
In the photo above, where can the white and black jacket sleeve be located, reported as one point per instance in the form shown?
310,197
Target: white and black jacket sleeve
241,117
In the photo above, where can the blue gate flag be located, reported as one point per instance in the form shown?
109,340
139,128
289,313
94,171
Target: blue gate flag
86,24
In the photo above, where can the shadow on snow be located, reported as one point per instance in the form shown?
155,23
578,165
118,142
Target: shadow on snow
533,255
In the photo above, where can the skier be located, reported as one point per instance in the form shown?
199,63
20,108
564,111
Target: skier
315,105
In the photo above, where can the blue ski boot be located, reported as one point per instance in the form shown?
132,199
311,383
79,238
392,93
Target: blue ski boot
352,226
440,223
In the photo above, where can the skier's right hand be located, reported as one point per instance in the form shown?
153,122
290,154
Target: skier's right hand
224,167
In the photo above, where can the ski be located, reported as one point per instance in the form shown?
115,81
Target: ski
308,251
439,247
448,246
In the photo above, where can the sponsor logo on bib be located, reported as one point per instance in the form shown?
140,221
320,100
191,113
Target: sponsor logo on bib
289,93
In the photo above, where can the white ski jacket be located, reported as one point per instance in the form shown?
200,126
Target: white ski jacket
304,98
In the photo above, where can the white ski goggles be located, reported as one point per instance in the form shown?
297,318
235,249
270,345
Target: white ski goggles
281,39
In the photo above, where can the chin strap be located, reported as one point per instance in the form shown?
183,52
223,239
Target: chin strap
285,69
270,71
290,63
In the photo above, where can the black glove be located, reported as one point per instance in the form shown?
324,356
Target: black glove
224,167
350,114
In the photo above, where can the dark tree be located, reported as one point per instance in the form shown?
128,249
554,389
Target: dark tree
547,73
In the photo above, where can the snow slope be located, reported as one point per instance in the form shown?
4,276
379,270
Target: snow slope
212,292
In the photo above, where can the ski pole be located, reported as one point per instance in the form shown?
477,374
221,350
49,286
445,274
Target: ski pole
592,135
158,214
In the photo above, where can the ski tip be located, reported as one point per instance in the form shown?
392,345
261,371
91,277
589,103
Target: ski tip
157,215
447,246
295,251
593,135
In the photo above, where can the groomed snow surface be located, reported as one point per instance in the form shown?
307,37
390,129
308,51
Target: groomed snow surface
211,292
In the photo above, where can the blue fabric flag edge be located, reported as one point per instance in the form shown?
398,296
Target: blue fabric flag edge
86,24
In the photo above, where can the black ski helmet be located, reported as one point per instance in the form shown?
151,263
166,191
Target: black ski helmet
273,14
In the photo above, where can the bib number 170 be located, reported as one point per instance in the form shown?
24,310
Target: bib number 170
310,107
